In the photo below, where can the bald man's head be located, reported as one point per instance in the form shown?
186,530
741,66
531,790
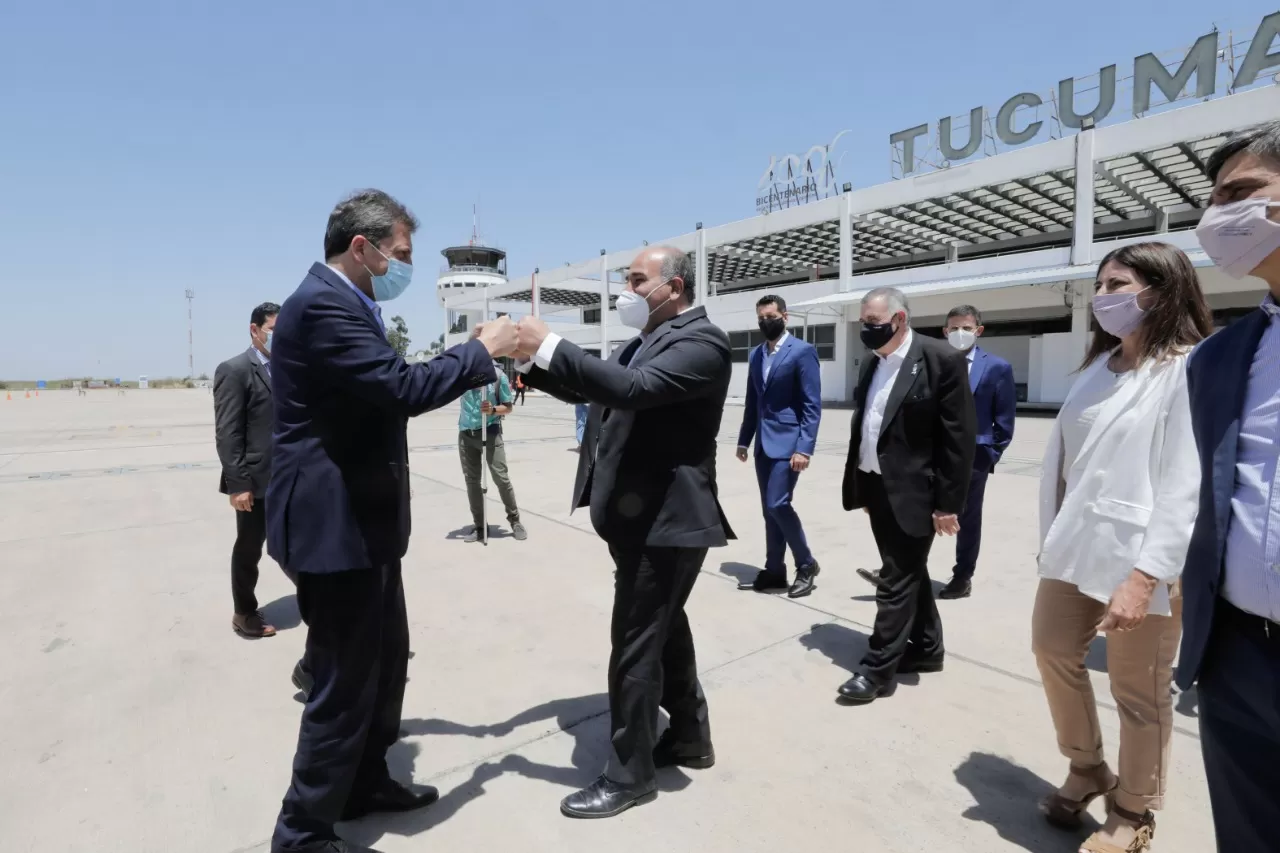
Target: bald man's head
664,276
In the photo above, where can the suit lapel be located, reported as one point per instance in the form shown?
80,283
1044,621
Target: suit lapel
259,370
902,384
781,356
979,365
1232,372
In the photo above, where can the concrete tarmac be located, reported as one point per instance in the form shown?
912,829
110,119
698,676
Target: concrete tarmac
133,719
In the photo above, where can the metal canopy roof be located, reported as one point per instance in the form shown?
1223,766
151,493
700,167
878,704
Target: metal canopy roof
1016,278
1136,188
557,296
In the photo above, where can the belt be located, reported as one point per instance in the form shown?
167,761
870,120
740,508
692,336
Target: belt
1255,627
495,429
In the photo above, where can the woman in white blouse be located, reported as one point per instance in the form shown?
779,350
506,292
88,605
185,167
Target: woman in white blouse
1118,498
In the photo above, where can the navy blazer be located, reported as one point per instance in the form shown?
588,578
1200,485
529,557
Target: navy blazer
339,492
1217,379
783,411
995,400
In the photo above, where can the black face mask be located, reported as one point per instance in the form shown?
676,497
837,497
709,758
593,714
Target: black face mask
772,328
876,335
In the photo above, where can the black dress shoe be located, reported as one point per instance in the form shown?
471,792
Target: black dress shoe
804,581
956,588
860,690
302,679
910,665
869,576
390,796
606,798
765,582
671,753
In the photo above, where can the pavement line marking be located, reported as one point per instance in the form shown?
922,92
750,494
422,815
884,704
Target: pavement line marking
831,617
97,530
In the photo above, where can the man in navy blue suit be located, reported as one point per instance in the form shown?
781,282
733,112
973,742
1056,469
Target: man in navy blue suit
338,508
784,406
1231,583
994,399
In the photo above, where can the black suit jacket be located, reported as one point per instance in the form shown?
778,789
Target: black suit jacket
339,492
648,462
927,439
242,424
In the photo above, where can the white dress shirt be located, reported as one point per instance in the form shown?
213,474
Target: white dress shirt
882,381
770,354
548,348
968,357
1251,565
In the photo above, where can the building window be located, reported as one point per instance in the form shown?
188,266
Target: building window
823,339
591,316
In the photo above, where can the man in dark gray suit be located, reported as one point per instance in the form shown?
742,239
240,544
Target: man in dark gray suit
242,422
648,473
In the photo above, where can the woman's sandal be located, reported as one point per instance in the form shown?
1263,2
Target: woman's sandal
1146,824
1064,813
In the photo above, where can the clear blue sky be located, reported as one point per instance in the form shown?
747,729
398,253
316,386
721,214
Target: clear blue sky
147,148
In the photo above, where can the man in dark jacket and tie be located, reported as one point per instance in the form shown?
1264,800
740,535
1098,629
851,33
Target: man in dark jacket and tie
647,470
242,420
338,508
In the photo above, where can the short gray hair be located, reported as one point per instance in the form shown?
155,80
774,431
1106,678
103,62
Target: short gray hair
677,264
1261,140
371,214
893,297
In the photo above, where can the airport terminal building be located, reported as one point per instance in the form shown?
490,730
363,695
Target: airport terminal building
1017,234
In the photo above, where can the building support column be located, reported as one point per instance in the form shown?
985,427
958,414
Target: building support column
537,297
846,241
1082,226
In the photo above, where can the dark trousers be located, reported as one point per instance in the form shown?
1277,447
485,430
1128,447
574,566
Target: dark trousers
969,539
907,621
1240,731
782,527
358,651
652,664
251,533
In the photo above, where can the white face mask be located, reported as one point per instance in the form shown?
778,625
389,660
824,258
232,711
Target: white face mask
1239,236
961,339
634,310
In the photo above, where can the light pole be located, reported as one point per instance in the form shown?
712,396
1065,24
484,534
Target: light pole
191,350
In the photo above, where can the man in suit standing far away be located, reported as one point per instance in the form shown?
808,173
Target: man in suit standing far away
1231,583
242,420
910,457
783,408
995,400
648,471
338,508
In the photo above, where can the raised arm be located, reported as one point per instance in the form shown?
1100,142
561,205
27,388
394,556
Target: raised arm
685,369
358,359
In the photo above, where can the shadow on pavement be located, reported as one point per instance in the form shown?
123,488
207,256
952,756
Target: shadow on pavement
740,572
1006,796
584,718
282,613
842,645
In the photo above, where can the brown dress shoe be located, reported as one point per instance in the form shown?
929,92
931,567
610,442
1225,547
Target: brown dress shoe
252,626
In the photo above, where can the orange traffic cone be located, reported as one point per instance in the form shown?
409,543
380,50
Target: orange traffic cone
37,392
8,396
28,395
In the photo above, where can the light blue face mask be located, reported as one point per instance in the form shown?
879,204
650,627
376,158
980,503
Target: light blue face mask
267,343
392,283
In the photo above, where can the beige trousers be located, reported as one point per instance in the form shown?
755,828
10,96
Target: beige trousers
1140,665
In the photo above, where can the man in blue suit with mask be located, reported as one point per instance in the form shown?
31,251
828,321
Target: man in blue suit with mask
995,400
338,508
784,406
